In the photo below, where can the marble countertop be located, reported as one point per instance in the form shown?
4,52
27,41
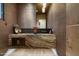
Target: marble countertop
26,34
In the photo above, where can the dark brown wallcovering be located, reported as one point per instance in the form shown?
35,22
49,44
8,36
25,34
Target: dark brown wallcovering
64,18
6,26
72,29
57,20
60,27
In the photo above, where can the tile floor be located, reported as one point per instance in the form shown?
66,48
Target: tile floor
31,52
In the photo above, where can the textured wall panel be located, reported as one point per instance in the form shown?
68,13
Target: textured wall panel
57,20
72,29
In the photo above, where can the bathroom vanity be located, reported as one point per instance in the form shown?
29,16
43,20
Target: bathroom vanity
32,40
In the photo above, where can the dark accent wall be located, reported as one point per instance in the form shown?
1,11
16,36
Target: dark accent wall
57,21
10,18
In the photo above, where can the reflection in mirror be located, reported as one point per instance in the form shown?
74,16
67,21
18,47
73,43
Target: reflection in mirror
41,21
41,14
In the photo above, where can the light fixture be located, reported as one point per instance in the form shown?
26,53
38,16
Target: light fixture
44,5
43,8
